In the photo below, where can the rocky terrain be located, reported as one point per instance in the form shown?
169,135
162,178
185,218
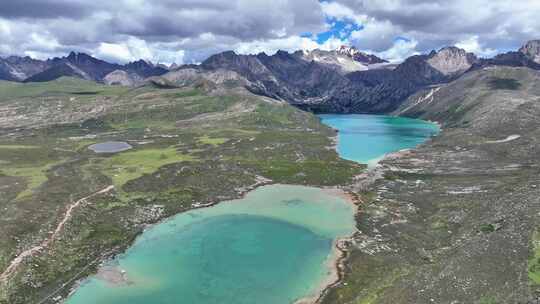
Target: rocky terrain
76,65
359,56
16,68
455,221
349,81
526,56
344,80
123,78
344,59
532,50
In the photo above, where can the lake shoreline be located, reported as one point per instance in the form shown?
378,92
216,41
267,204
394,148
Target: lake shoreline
106,258
370,176
339,254
115,276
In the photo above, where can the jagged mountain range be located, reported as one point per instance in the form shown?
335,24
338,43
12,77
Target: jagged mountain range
80,65
309,82
342,80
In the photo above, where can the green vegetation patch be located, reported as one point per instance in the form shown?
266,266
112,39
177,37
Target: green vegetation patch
30,162
60,87
270,116
367,281
534,260
377,290
18,147
312,172
488,300
487,228
35,176
504,84
184,93
214,141
123,167
173,107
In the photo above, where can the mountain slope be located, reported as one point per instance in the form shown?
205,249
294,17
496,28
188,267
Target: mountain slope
531,50
6,71
144,68
527,56
456,220
16,68
59,70
80,65
479,99
359,56
344,59
388,88
318,80
123,78
289,77
200,78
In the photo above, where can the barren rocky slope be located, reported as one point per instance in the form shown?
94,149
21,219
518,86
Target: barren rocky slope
532,50
79,65
344,59
456,220
319,81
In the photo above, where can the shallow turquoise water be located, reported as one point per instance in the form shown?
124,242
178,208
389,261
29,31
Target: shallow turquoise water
270,247
366,138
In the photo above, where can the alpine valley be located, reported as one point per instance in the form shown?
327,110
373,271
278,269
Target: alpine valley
321,176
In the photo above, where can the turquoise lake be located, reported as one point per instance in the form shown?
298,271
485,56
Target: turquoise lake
273,246
367,138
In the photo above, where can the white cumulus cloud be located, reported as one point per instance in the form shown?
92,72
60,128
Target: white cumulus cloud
400,50
473,45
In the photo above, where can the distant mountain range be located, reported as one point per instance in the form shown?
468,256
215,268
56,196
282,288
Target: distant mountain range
346,80
80,65
342,80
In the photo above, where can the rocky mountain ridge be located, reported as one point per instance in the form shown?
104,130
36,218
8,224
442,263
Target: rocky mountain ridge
318,80
344,80
81,65
16,68
358,55
532,50
451,60
344,59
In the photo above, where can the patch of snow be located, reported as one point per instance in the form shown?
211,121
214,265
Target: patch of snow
466,190
428,98
507,139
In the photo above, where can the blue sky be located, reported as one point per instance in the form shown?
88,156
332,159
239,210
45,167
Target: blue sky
340,29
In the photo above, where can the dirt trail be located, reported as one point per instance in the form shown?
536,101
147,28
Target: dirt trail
30,252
